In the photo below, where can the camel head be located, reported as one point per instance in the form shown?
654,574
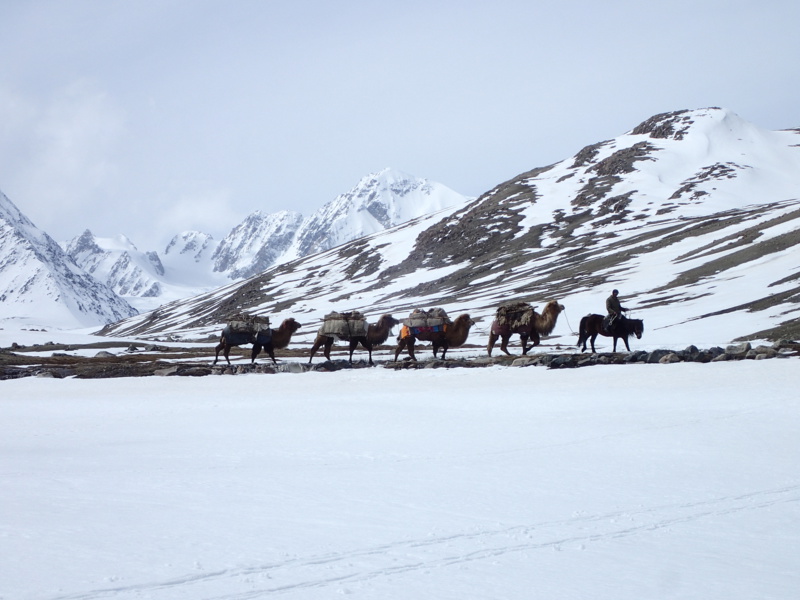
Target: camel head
546,322
290,324
388,321
553,307
464,320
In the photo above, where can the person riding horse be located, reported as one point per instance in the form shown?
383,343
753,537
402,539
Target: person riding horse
614,309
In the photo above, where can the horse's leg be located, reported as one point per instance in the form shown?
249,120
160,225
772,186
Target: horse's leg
593,338
625,339
615,344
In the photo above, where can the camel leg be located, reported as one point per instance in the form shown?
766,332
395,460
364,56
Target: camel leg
492,339
255,352
219,347
364,344
315,347
271,351
327,347
504,343
369,349
401,344
535,339
411,342
353,346
444,350
523,337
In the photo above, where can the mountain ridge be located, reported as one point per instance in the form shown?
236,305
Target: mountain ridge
702,194
378,201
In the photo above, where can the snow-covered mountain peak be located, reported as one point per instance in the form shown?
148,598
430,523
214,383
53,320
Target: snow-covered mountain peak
117,262
194,244
41,284
378,201
256,243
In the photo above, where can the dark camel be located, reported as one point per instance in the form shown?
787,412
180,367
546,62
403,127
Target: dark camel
269,340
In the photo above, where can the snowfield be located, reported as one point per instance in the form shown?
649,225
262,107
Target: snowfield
613,482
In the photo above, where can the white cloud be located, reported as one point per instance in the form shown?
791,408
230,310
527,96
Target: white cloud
59,157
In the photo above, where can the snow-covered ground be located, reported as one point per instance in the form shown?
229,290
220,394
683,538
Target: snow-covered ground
613,482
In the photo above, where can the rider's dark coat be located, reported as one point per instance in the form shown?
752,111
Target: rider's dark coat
613,305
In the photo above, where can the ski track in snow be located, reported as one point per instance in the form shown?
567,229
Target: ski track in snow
439,552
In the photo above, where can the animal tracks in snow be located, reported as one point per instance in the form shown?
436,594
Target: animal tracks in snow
354,566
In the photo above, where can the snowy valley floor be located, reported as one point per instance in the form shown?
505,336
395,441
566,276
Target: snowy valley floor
621,482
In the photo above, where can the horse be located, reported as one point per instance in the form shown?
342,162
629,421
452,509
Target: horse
622,328
537,325
377,333
455,335
269,340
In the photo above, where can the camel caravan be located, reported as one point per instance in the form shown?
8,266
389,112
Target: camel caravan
432,325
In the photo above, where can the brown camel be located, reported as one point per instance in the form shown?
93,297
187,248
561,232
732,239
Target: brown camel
377,333
269,340
454,335
539,324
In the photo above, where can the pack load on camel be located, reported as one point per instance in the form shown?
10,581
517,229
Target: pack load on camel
419,321
514,314
344,326
242,328
353,328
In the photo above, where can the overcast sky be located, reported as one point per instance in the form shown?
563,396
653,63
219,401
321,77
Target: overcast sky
151,117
